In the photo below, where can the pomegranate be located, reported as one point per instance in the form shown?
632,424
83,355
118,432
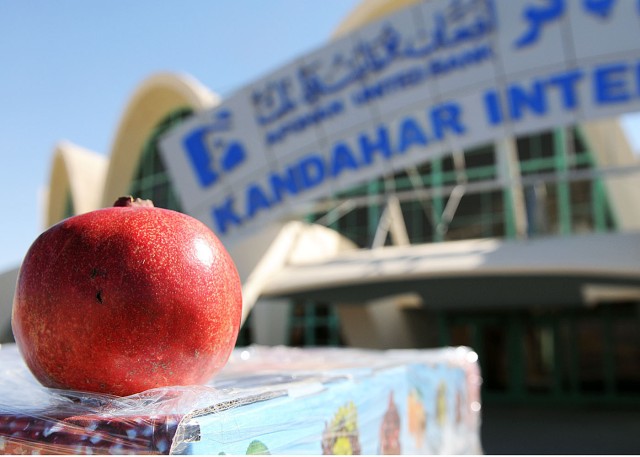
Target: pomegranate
124,299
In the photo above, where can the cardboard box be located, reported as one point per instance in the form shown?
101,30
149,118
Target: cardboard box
267,400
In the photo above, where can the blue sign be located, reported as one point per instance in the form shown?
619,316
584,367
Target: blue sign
436,76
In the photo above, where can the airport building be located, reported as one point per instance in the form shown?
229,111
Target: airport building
522,243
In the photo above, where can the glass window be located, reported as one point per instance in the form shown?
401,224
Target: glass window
535,148
69,209
626,347
495,367
480,163
478,215
539,357
314,324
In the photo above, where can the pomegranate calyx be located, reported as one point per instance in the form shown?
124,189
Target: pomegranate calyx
129,201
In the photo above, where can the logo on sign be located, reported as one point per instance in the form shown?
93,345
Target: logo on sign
212,158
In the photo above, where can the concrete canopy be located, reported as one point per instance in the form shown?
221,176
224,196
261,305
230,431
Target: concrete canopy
475,274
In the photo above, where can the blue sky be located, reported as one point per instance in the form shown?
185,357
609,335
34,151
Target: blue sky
69,68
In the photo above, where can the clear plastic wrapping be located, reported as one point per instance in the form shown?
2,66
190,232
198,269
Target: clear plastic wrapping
266,400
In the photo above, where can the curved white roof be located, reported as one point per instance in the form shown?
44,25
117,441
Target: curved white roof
78,173
152,101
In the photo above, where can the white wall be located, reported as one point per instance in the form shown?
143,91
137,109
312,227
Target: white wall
7,288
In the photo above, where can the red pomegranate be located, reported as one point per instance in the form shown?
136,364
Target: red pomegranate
124,299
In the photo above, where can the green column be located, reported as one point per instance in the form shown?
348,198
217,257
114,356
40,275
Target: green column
333,322
437,206
515,354
310,323
557,360
599,205
574,359
564,193
509,214
608,361
444,338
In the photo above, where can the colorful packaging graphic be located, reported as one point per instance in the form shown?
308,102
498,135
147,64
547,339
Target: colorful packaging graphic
266,401
341,437
390,430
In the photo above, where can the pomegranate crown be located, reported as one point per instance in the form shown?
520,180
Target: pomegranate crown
129,201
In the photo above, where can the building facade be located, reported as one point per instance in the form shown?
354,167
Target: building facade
579,184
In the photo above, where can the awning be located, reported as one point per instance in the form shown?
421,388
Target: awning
572,270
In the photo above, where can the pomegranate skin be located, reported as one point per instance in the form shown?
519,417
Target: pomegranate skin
125,299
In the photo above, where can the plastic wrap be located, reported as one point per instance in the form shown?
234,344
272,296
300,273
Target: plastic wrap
266,400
